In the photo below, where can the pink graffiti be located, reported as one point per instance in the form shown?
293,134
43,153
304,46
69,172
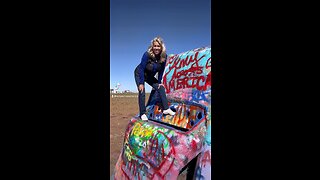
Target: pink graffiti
159,164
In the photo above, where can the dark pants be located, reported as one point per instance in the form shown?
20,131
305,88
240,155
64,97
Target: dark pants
153,82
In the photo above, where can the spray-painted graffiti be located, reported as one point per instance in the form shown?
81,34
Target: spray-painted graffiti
148,151
206,158
187,116
186,96
154,152
191,95
161,147
203,169
188,70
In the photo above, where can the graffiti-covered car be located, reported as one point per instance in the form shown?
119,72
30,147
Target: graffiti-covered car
165,145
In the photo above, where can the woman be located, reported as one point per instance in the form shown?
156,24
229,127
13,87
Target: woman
153,61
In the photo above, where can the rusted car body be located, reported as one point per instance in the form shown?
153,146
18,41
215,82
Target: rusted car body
163,146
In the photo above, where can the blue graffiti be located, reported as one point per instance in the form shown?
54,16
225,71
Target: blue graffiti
198,174
208,136
200,95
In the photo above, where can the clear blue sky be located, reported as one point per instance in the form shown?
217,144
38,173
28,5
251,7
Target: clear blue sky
183,25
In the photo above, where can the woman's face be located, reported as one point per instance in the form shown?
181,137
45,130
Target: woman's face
156,48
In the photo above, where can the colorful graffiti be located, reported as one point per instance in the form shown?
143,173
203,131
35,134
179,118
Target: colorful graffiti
188,70
203,168
187,116
161,147
191,95
148,148
154,152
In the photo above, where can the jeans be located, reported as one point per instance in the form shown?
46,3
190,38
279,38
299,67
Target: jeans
153,82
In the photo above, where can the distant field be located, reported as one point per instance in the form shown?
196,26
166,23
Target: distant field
114,95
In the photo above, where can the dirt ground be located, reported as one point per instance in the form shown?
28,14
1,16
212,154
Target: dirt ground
122,108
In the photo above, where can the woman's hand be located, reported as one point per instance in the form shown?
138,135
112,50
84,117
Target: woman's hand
160,85
141,87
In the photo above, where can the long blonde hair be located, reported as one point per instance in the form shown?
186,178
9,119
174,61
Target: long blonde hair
163,49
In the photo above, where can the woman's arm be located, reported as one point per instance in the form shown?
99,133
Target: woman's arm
163,65
143,64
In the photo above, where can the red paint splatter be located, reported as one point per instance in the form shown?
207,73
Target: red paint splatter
206,158
194,145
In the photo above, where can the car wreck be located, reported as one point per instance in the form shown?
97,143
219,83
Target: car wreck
164,146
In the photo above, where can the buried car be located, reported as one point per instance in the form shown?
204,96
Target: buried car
164,146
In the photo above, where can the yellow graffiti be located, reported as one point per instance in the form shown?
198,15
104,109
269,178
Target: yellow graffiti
142,131
136,128
128,153
168,119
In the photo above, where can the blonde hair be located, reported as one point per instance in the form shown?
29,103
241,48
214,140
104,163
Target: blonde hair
163,49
